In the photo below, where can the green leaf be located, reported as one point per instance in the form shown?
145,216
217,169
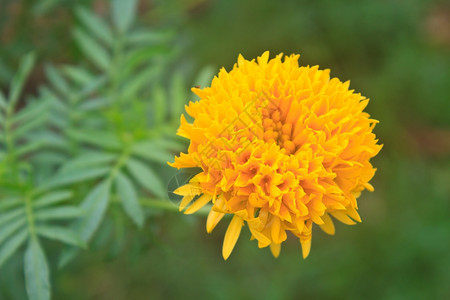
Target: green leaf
67,255
57,80
205,76
19,79
11,227
95,205
92,49
3,103
95,104
147,37
59,213
49,158
93,86
123,13
88,160
60,121
96,202
146,177
54,101
6,203
26,148
25,128
142,56
104,139
52,198
160,105
50,138
36,272
10,246
95,25
179,96
75,176
78,75
169,144
148,150
31,111
128,197
61,234
137,82
11,215
44,7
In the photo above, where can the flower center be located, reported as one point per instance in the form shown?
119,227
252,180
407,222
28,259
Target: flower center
276,131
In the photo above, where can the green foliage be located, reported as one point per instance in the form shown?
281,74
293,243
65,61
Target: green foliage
36,271
91,144
396,53
28,212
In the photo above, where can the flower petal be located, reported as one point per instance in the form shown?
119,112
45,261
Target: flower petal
306,247
199,203
231,236
185,201
275,249
188,189
342,216
263,241
328,225
213,219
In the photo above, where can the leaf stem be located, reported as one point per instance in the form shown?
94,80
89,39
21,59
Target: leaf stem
9,142
164,205
114,70
120,162
30,216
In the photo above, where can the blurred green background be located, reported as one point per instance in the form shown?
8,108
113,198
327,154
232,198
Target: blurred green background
397,53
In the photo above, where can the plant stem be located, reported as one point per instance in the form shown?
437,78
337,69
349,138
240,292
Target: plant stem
169,206
161,204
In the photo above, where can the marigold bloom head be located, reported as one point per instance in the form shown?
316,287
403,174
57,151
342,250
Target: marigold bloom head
281,147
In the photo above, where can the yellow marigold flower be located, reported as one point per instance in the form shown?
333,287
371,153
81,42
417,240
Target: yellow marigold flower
281,147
